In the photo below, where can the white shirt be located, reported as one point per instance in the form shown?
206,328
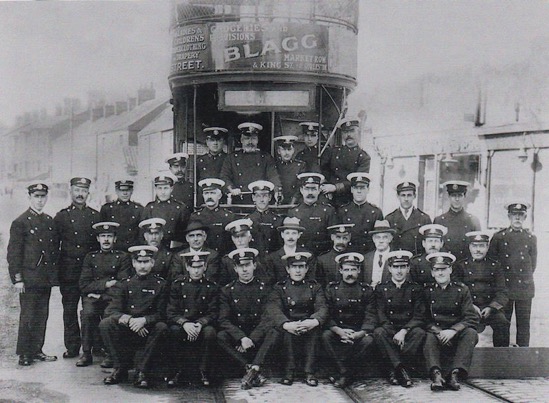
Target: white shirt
377,269
408,213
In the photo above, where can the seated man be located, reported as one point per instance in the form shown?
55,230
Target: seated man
375,262
433,241
244,335
328,269
486,280
134,318
297,307
451,323
101,270
192,311
401,315
153,232
352,318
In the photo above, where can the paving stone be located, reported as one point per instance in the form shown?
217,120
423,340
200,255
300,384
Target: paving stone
516,390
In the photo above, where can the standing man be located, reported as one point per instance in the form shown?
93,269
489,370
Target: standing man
451,324
182,189
407,220
264,221
352,318
516,249
214,217
401,315
135,318
74,228
314,215
433,241
288,168
344,160
125,212
486,280
102,269
375,262
242,167
209,165
309,155
153,232
328,269
360,212
33,250
457,220
165,206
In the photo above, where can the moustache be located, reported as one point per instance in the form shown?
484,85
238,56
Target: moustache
349,277
209,199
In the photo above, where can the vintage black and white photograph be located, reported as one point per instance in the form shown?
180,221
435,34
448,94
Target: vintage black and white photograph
274,200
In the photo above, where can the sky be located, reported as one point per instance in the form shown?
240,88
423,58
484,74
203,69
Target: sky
50,50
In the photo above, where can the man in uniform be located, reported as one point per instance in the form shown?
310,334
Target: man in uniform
182,189
74,228
165,206
135,318
215,218
244,335
451,324
275,266
515,247
344,160
125,212
265,221
401,315
33,250
192,311
328,269
209,165
433,241
360,212
457,220
153,232
288,168
352,321
407,219
486,280
242,167
297,307
309,154
376,269
102,269
314,215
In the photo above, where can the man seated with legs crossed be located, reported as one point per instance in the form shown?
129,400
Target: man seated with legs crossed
244,335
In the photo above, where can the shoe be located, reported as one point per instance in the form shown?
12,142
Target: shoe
70,354
259,380
118,375
287,380
141,381
107,362
393,380
438,381
405,380
204,379
311,380
100,352
43,357
84,360
341,382
453,380
174,381
25,360
247,380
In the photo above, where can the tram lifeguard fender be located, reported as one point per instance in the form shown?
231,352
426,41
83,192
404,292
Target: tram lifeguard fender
510,362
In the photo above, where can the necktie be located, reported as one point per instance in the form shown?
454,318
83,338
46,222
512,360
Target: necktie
380,260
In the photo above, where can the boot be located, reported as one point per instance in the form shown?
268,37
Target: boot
405,379
85,359
453,380
438,381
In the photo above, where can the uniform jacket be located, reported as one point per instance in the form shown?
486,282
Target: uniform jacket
485,280
343,161
228,274
209,166
163,262
240,169
296,300
450,308
275,268
128,215
216,220
74,229
518,254
241,307
407,235
137,296
368,268
100,267
400,308
315,218
364,217
351,306
193,301
327,269
264,231
184,192
420,270
213,265
458,225
33,250
309,155
174,212
288,171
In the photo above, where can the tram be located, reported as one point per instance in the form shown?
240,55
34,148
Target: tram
272,62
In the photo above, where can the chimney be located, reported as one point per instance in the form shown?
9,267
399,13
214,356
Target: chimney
109,110
132,102
145,94
121,107
97,113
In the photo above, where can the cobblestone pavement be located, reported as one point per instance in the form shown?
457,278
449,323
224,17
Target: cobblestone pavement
516,390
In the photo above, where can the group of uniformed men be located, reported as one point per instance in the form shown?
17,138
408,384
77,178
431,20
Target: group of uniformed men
334,271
